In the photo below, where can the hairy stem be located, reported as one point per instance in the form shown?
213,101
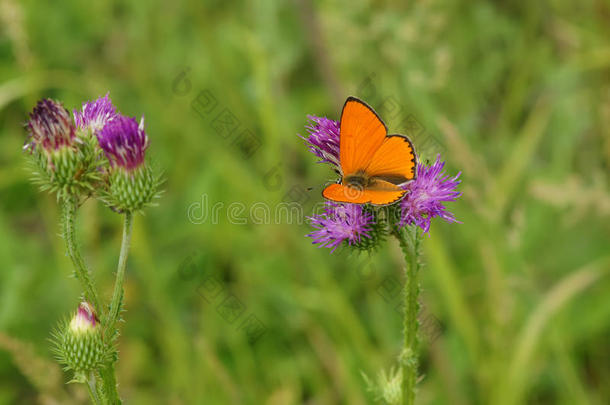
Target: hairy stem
109,385
409,242
110,330
70,205
117,294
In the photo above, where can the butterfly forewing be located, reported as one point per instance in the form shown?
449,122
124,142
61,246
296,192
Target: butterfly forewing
361,134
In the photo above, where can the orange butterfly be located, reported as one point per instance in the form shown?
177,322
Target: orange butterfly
373,163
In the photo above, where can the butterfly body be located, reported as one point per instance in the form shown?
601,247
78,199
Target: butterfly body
373,164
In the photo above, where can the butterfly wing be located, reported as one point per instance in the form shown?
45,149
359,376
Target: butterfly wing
362,133
394,161
382,193
367,151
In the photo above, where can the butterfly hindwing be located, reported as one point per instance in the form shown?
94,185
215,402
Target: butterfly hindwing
381,194
394,161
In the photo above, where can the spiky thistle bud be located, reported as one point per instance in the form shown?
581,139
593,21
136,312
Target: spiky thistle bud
387,387
131,183
79,344
60,162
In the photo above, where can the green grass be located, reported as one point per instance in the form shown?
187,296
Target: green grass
516,94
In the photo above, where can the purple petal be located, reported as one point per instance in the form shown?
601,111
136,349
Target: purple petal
339,223
95,114
124,142
426,195
50,126
323,139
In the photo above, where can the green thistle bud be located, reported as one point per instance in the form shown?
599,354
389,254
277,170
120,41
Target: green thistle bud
79,344
391,391
387,388
131,190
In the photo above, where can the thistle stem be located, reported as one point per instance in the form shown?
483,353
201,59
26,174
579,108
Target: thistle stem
81,272
117,294
409,242
109,385
108,374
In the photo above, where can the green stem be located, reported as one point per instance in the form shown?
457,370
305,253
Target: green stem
108,374
109,385
117,294
409,243
70,206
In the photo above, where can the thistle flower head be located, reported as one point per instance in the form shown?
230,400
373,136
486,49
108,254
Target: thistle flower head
339,223
124,142
95,114
84,320
60,162
79,344
50,126
323,139
426,195
134,185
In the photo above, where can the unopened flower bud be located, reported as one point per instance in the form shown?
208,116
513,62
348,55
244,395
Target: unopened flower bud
387,387
391,390
79,343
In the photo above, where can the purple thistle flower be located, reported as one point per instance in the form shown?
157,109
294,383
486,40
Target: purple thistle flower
50,126
426,195
95,114
340,222
124,142
323,139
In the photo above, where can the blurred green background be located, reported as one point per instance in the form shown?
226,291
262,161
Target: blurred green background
515,95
